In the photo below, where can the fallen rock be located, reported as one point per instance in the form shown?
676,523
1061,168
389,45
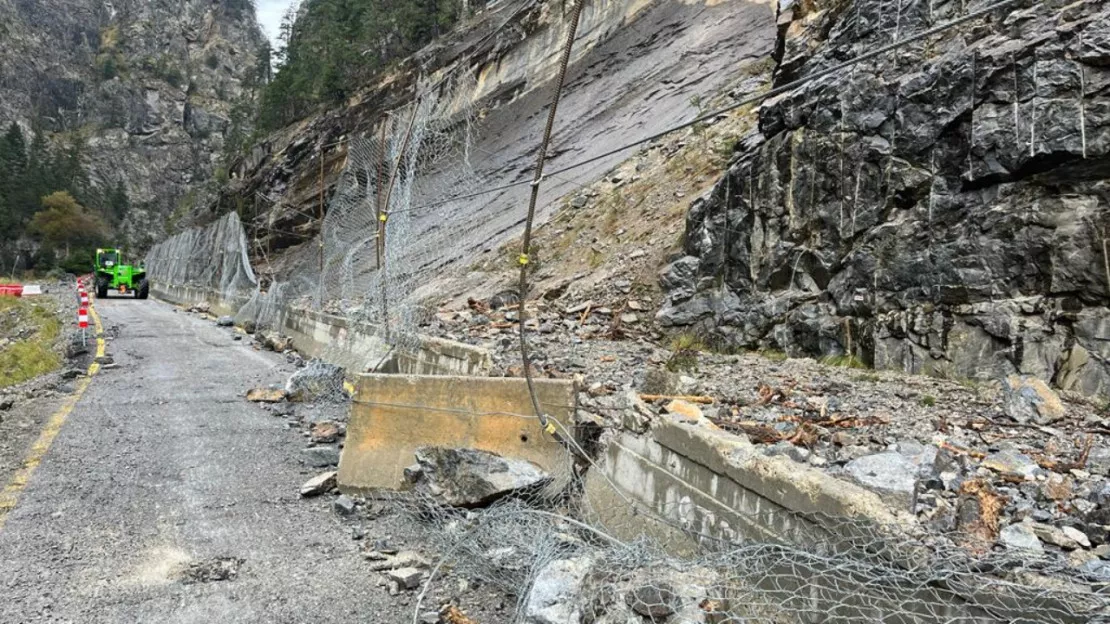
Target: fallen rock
655,602
406,578
684,410
555,597
344,505
1056,487
471,478
6,404
321,456
200,308
266,395
891,475
273,341
319,484
1011,463
1028,399
318,381
1020,536
1067,538
282,409
225,321
72,373
325,431
404,559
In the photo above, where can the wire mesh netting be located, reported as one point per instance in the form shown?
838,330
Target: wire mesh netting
374,250
574,547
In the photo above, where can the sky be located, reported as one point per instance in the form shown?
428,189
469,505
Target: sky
269,16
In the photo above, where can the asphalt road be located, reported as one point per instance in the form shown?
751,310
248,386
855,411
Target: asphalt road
162,463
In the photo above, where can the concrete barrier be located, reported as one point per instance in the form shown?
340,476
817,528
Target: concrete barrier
393,415
355,346
712,489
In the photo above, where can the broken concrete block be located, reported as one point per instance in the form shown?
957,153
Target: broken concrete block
319,484
469,477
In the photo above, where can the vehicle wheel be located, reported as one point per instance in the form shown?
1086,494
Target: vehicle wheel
101,291
144,290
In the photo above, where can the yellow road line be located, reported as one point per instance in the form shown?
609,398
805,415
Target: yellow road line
9,497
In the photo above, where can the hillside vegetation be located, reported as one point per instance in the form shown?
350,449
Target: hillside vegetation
331,47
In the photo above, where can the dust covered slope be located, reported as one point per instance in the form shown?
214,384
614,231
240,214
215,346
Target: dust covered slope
637,68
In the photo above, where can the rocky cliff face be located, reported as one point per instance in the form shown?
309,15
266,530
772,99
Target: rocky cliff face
147,85
943,209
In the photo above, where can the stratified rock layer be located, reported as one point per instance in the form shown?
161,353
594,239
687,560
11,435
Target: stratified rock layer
941,209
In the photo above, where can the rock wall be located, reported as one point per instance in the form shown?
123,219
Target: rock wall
635,68
942,209
148,85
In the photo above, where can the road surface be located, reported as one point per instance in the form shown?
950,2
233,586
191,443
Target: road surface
162,463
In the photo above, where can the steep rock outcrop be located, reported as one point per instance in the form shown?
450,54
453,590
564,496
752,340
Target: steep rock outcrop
147,85
941,209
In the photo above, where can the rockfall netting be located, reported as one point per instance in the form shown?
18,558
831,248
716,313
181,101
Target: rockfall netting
215,258
572,547
378,243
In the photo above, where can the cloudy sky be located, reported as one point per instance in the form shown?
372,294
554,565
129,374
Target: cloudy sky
269,15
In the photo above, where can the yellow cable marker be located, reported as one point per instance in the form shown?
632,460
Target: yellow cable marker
523,259
9,497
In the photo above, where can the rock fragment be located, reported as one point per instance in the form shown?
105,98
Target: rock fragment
1020,536
317,381
555,597
891,475
344,505
1028,399
266,395
1011,463
471,478
321,456
325,431
406,578
319,484
225,321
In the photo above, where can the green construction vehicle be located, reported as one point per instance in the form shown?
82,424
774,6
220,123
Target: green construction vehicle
112,274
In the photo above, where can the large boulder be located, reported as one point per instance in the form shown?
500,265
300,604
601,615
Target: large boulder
317,381
556,593
471,478
893,476
1028,399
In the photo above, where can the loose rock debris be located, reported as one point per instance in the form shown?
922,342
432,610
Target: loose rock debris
469,477
319,484
209,570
